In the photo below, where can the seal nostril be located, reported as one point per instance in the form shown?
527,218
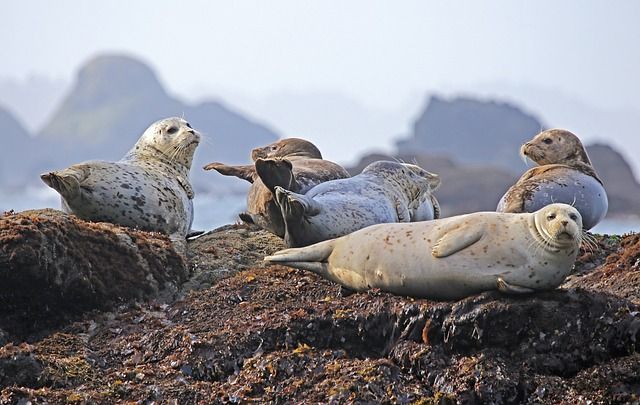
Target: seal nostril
564,223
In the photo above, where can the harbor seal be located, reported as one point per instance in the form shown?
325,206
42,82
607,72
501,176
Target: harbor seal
450,258
383,192
294,164
148,188
565,175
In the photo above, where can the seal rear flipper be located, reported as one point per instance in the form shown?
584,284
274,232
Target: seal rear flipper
247,172
313,258
276,173
246,218
507,288
66,182
457,239
295,206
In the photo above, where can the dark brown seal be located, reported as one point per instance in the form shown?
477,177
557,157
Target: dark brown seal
565,175
294,164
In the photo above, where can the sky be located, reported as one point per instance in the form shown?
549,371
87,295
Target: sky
384,56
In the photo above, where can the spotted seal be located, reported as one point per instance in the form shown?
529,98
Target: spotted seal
383,192
450,258
148,188
294,164
565,175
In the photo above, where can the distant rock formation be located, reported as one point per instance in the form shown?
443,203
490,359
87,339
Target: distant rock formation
115,98
472,132
481,139
622,187
14,137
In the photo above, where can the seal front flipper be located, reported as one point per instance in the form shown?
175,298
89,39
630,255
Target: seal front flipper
67,182
457,239
247,172
186,186
507,288
276,173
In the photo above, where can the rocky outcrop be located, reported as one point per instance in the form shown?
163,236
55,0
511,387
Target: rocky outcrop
273,334
15,138
54,267
482,140
623,190
116,97
474,132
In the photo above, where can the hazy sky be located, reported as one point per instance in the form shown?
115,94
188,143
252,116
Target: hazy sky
351,76
379,52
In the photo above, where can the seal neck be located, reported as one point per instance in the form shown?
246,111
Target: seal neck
146,152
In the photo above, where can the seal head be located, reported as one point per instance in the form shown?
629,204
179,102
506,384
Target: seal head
287,148
565,175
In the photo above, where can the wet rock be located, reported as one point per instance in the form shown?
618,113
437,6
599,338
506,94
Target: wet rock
274,334
54,267
226,251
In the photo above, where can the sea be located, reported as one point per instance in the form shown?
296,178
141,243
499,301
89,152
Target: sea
214,210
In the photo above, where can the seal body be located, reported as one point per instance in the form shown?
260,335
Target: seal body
294,164
384,192
565,175
564,185
450,258
148,189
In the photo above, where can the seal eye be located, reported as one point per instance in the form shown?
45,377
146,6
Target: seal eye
548,141
173,130
274,147
574,217
551,216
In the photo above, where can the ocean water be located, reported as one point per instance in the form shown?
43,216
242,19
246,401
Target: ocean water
212,211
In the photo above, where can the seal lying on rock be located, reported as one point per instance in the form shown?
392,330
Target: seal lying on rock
451,258
383,192
148,189
565,175
293,163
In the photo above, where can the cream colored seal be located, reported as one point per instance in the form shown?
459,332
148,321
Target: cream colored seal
148,189
450,258
294,164
565,175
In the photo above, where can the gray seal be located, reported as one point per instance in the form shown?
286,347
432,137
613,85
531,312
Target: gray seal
450,258
294,164
383,192
148,188
565,175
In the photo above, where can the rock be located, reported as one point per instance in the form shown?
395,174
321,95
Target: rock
472,131
114,98
226,251
54,267
274,334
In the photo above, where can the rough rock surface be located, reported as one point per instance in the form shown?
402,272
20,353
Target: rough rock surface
272,334
54,267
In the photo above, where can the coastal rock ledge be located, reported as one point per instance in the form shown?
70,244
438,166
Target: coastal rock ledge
234,330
